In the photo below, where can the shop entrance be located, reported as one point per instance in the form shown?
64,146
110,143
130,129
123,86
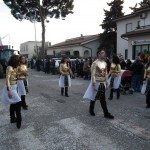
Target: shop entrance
145,49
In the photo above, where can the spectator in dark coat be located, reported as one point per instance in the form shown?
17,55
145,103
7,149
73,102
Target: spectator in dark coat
122,62
81,68
77,66
128,64
137,70
86,69
53,67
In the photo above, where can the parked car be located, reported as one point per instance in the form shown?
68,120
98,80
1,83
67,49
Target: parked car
57,63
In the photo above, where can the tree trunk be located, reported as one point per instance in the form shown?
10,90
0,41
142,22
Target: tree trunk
43,38
42,16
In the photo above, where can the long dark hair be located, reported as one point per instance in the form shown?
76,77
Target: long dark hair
100,49
115,59
21,58
63,59
13,61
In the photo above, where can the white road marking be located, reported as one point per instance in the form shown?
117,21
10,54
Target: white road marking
87,136
131,128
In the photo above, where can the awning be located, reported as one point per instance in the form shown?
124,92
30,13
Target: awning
137,32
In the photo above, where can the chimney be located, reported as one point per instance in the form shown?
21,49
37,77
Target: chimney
81,35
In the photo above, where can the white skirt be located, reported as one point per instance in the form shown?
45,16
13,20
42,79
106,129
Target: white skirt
116,83
61,81
15,97
21,87
143,89
90,93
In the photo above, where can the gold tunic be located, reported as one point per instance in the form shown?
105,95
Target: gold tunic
147,72
64,69
98,71
21,70
11,76
116,69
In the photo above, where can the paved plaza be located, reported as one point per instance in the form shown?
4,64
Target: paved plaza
55,122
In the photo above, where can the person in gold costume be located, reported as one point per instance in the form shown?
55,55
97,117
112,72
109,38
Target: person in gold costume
10,95
115,77
65,80
147,77
22,72
98,84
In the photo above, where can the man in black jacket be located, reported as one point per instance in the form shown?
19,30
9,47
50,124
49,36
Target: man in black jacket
137,71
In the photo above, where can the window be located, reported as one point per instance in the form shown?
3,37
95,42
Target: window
137,50
76,53
68,53
126,54
128,27
54,53
138,24
145,49
86,53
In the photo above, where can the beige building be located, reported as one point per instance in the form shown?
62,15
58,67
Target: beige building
133,33
83,46
31,48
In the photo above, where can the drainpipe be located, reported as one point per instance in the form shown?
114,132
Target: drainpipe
88,48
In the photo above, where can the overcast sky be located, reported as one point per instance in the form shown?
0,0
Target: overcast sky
88,15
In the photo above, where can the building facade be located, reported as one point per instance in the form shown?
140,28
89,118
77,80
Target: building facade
31,48
83,46
133,33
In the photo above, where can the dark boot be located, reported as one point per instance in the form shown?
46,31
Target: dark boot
111,94
18,114
23,102
118,93
108,116
148,99
66,92
12,114
91,108
62,91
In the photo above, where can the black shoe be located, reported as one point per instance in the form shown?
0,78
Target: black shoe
147,106
14,120
18,124
66,95
118,97
109,116
92,113
91,108
25,107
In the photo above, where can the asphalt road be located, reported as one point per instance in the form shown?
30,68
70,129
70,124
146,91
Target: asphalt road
54,122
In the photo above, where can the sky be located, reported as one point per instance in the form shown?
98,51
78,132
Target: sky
86,20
